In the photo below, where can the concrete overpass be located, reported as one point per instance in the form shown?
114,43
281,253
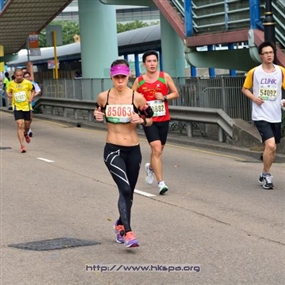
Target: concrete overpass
194,23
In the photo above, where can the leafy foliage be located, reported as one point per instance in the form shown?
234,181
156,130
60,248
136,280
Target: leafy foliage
130,26
70,29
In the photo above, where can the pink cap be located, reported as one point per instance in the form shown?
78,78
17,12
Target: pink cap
120,69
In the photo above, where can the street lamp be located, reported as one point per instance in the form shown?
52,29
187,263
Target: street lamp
269,24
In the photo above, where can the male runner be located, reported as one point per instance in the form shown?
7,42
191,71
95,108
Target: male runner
21,91
158,88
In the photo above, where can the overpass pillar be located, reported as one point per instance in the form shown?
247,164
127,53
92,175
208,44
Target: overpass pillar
172,49
98,36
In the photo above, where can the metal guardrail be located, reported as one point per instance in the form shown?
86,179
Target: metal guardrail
64,105
189,115
203,115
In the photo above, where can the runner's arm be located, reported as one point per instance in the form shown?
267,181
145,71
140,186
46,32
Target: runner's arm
141,103
135,85
173,92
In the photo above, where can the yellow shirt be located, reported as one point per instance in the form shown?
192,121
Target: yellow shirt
6,82
21,94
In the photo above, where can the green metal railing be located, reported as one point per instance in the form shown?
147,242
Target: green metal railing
221,92
228,15
278,10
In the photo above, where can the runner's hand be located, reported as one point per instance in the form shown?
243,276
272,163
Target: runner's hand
98,115
258,101
159,96
135,118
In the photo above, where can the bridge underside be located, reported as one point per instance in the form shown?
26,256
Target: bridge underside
218,38
19,18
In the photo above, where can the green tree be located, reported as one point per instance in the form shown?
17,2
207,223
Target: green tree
69,30
42,39
130,26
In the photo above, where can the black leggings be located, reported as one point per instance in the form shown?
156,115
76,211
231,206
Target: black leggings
124,165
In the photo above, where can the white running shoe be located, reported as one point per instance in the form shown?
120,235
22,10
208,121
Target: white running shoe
162,187
149,174
266,181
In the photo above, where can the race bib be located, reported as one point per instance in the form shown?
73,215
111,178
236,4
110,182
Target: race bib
119,113
267,93
157,107
20,96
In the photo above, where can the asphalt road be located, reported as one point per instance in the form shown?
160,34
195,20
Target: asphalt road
216,225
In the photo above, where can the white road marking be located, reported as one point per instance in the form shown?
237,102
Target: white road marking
44,159
144,193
